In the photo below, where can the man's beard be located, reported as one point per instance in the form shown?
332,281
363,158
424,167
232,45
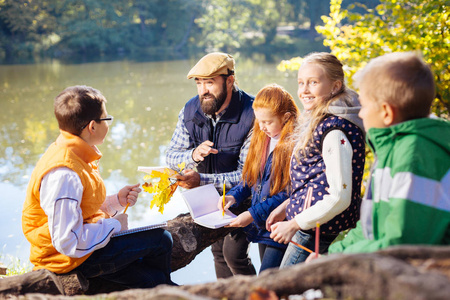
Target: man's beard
210,107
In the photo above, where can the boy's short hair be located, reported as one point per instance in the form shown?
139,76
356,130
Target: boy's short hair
401,79
76,106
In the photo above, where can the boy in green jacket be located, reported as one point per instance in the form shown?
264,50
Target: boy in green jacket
408,196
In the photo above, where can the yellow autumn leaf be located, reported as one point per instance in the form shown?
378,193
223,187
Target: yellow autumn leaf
162,189
182,166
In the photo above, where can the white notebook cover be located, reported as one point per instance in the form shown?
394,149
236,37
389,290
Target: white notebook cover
202,204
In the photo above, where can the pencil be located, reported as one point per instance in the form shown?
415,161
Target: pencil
223,199
303,247
317,238
126,207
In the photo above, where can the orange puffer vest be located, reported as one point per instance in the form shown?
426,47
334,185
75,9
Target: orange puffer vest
72,152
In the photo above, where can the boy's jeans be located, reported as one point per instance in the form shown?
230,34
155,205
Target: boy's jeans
295,255
137,260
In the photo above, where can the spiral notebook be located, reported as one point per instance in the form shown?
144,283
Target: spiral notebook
139,229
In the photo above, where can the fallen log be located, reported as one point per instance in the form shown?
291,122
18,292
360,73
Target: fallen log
32,282
356,276
189,240
3,269
406,272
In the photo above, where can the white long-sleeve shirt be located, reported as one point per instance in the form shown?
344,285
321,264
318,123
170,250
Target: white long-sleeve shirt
61,193
337,157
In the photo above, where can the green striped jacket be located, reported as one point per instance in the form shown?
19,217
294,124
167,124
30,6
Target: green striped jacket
407,198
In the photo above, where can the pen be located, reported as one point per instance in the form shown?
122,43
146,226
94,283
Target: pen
300,246
223,199
317,238
126,207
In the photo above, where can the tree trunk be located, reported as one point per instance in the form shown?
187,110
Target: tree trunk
189,239
33,282
407,272
384,275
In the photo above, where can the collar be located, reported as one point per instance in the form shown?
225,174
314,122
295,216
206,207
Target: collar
78,146
218,116
232,113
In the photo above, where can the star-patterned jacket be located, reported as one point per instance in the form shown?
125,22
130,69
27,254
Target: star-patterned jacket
309,181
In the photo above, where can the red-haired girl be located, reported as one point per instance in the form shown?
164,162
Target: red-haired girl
265,176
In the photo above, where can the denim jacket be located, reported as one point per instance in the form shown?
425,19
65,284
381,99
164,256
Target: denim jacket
262,205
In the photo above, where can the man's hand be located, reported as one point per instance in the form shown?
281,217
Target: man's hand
190,179
282,232
123,219
203,150
129,194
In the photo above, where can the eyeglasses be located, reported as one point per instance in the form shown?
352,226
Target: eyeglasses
109,119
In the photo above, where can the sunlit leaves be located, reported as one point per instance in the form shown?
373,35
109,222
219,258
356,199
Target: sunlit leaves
402,25
292,64
162,189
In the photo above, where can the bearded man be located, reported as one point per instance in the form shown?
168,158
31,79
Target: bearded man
212,138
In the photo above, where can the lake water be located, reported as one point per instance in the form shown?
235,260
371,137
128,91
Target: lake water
144,98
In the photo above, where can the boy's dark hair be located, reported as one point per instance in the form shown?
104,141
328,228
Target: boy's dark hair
402,79
76,106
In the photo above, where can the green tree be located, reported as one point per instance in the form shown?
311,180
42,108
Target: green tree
24,26
170,21
116,26
394,25
229,25
91,26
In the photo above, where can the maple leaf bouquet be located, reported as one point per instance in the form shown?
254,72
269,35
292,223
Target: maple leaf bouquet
162,185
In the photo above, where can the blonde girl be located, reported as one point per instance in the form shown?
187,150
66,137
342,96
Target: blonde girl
328,161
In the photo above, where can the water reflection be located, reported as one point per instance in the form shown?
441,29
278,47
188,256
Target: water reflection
144,98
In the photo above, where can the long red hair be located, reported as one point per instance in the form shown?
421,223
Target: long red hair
281,104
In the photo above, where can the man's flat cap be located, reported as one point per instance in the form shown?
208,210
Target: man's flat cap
212,65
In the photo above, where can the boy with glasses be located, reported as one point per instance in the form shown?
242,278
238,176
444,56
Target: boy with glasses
67,217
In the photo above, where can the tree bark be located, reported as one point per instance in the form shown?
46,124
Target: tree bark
32,282
406,272
189,239
358,276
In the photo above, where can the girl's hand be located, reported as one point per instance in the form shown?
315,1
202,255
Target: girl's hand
312,257
277,215
229,200
242,220
282,232
129,194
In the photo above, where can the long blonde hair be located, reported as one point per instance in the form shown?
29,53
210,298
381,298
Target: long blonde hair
308,121
281,104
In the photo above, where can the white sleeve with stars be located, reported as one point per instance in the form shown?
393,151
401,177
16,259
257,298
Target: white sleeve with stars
337,155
